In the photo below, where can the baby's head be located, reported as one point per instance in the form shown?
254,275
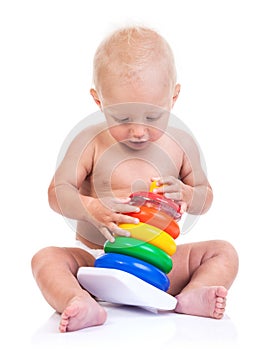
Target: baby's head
135,64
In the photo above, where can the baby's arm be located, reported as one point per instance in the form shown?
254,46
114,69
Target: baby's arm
66,199
192,190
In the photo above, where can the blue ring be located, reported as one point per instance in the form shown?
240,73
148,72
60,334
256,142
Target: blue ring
136,267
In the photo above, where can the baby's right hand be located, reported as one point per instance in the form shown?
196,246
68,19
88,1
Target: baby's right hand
107,213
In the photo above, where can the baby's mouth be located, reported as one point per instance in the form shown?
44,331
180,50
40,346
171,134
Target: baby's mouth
138,143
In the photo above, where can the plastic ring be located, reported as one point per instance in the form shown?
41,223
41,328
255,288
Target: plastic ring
141,250
151,235
158,219
157,201
164,242
136,267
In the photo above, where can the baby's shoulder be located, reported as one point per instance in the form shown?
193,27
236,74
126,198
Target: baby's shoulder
90,133
84,138
184,139
92,130
180,136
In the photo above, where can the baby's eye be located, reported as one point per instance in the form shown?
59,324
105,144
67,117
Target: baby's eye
152,118
121,119
124,120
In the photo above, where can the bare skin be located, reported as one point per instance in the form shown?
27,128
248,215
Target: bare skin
82,312
92,186
78,309
198,293
202,296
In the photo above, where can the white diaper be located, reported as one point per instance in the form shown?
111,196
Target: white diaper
94,252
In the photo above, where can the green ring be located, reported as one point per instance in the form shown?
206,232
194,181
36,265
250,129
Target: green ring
141,250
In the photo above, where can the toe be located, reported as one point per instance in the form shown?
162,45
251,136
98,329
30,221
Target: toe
218,316
218,313
221,292
220,305
62,328
220,300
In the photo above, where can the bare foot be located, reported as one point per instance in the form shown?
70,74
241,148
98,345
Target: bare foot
82,312
203,301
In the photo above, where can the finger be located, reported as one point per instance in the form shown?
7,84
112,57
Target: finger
122,200
167,180
183,207
107,234
126,219
111,203
167,184
175,196
129,209
125,208
176,187
118,231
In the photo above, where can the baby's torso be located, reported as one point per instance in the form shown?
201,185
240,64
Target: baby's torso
118,171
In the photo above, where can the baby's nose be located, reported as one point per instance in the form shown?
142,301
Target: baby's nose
138,131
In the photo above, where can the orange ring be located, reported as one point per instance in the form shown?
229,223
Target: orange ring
159,219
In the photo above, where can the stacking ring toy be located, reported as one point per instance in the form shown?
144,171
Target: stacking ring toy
158,219
151,235
141,250
164,242
134,266
157,201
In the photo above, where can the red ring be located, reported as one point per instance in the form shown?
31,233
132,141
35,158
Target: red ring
159,219
157,201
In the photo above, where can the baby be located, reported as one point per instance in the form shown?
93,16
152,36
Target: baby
135,88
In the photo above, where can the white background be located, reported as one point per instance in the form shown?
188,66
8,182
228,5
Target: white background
46,57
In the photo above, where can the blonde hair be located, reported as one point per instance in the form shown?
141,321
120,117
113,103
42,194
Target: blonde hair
127,51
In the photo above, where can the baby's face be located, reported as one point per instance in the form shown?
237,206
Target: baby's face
137,112
136,124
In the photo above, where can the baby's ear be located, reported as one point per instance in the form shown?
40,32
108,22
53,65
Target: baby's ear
95,96
177,90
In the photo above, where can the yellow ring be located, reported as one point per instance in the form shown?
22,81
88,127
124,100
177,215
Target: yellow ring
152,235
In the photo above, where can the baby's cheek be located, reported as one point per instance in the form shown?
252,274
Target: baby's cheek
118,133
155,134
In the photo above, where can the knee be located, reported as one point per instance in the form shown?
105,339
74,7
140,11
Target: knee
228,253
42,257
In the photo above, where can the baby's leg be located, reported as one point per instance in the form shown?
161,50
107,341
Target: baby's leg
202,273
55,271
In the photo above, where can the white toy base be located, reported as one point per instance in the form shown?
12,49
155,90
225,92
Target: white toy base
116,286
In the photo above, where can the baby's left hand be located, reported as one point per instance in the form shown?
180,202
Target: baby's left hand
172,188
